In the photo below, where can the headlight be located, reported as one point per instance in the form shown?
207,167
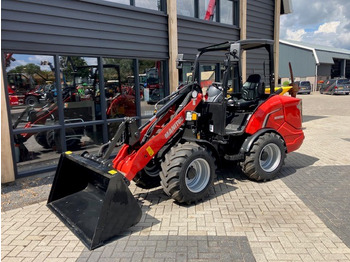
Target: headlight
192,116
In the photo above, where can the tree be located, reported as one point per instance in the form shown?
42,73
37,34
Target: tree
70,67
29,69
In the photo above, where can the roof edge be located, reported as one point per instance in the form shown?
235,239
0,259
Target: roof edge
286,7
303,47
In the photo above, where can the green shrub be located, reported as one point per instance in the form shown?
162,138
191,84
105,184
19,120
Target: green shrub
286,83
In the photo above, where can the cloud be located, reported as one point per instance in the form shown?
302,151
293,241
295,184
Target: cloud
295,35
318,23
330,27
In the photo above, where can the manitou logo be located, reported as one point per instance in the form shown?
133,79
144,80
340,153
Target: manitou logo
173,128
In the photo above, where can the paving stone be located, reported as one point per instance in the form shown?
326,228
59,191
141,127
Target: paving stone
303,215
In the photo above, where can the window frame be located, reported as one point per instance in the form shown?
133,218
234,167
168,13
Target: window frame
235,12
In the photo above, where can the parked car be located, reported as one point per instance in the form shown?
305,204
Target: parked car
336,86
304,87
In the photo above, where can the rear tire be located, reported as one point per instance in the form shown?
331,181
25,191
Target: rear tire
149,176
265,158
188,173
41,139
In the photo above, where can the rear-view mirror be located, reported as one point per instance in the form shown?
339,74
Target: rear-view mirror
179,61
235,51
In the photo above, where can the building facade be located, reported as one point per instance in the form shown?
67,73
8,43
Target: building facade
72,69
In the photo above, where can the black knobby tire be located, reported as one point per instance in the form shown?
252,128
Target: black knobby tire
149,176
41,139
54,141
31,100
188,173
265,159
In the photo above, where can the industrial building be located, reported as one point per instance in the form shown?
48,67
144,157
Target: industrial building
312,62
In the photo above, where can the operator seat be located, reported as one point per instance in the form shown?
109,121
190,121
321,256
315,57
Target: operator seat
252,91
215,93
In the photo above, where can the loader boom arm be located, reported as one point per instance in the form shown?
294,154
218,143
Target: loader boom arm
130,163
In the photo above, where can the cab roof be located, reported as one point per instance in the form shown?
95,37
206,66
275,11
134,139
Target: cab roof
245,45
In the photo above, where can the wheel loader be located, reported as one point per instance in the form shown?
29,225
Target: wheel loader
180,147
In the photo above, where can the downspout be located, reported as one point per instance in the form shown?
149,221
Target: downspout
316,76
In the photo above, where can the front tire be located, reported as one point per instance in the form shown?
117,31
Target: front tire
188,173
265,158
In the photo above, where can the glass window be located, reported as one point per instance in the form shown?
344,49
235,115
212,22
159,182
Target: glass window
80,88
226,12
35,150
29,77
149,4
204,8
185,7
207,76
31,86
151,79
119,87
186,72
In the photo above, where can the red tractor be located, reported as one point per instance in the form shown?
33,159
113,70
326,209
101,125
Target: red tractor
21,90
180,147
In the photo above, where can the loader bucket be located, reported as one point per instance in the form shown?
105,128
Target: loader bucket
92,200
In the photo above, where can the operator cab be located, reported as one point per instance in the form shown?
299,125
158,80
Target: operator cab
230,103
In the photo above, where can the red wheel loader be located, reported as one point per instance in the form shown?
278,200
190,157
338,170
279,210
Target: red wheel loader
179,147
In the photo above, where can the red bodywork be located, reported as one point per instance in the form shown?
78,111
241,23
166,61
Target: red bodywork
129,163
283,114
15,100
280,113
122,105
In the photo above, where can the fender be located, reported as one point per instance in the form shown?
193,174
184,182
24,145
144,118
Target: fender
249,141
204,143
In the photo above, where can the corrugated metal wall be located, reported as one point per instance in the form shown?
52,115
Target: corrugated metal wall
260,24
195,33
301,67
80,27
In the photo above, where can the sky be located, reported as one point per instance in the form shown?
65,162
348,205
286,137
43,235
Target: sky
322,22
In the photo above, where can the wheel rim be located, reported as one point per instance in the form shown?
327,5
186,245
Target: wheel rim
270,157
197,175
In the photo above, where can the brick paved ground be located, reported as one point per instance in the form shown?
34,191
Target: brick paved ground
301,216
